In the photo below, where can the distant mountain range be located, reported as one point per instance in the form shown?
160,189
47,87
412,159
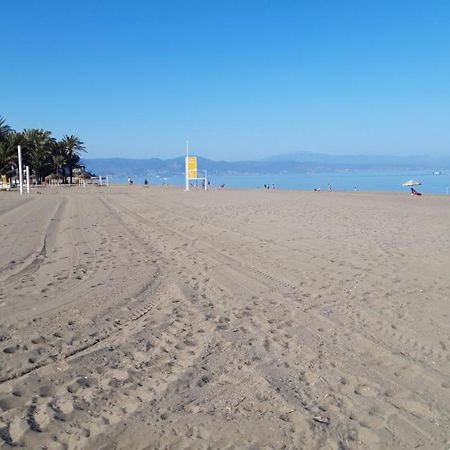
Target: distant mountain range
290,163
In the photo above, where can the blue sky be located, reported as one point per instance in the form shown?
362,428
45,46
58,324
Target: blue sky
240,79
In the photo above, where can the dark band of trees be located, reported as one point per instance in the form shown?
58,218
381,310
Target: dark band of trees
40,150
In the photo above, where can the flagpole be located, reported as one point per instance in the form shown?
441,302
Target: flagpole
186,168
19,157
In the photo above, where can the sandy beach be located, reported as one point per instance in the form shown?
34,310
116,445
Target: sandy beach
151,318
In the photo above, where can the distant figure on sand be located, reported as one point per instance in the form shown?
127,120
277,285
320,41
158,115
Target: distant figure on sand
130,181
146,182
414,192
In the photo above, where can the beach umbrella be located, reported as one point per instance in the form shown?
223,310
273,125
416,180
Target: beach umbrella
53,176
411,183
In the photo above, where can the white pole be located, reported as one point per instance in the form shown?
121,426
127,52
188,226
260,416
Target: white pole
107,180
19,152
101,181
206,182
27,171
186,166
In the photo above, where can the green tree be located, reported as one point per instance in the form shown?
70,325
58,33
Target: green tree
74,147
8,151
4,129
38,144
58,161
59,157
40,150
8,157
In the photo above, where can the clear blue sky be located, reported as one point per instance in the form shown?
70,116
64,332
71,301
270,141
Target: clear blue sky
240,79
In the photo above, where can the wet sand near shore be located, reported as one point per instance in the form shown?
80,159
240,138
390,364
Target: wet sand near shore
145,318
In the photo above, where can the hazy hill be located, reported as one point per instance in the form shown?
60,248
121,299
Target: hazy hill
288,163
375,161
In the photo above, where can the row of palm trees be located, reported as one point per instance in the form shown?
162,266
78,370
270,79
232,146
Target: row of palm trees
40,150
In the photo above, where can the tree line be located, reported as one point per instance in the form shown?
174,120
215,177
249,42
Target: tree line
42,152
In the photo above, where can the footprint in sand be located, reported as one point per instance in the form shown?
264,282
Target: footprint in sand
11,349
365,390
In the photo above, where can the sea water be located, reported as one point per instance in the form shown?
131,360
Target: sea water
344,181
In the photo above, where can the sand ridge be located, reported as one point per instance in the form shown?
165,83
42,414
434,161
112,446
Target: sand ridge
136,317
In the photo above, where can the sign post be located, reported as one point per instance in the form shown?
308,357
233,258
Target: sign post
19,154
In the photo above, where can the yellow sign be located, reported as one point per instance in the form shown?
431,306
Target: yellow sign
191,167
4,182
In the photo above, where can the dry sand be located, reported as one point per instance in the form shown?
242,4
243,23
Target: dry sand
152,318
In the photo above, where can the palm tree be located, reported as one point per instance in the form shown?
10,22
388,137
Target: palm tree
39,150
59,156
8,157
58,162
38,145
74,147
8,151
4,129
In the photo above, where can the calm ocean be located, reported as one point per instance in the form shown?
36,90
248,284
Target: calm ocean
362,181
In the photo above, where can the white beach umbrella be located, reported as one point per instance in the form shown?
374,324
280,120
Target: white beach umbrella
411,183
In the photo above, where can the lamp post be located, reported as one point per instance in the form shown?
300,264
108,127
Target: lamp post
19,154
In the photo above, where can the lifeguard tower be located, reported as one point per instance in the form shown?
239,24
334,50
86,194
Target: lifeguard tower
191,170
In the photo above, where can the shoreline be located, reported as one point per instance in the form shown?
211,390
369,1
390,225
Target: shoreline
226,188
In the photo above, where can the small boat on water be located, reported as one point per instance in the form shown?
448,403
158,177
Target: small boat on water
437,172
